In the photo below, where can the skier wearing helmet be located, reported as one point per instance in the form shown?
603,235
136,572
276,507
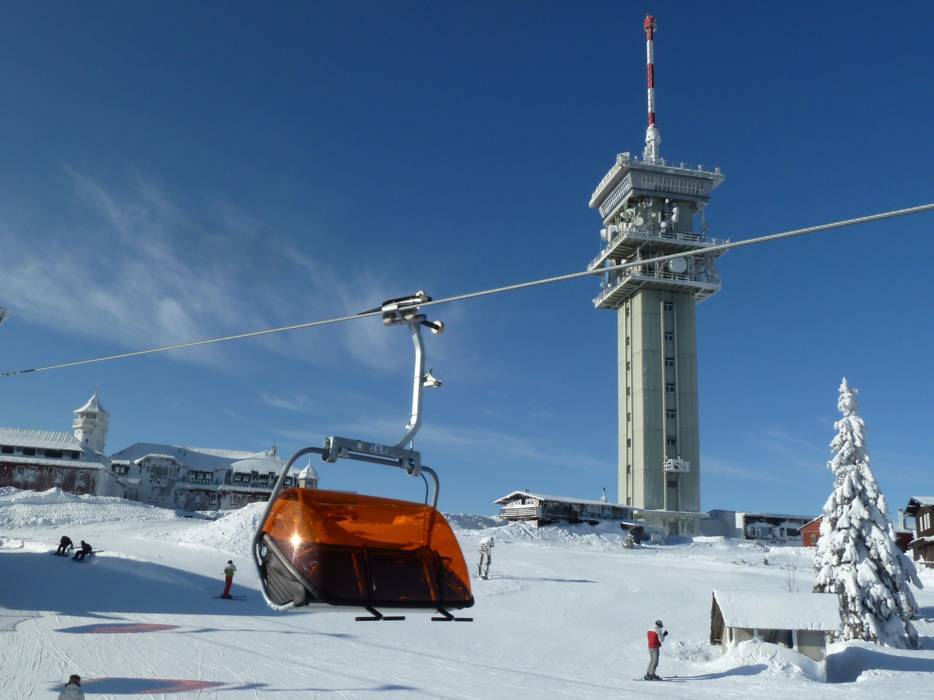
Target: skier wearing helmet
656,635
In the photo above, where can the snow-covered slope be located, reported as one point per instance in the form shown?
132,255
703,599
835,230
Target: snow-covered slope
563,616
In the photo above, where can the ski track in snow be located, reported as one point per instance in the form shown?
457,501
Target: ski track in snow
563,616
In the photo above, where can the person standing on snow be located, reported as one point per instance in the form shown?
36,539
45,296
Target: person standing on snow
83,552
229,571
656,635
72,691
64,545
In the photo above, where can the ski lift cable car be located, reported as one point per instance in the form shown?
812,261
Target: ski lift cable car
316,547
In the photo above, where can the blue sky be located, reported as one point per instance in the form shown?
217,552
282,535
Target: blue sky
174,171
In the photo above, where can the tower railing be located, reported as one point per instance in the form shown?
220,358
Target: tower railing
650,234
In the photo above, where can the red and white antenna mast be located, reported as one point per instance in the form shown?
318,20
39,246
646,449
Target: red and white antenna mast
653,138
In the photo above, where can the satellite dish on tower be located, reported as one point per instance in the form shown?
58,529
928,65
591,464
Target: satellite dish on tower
678,266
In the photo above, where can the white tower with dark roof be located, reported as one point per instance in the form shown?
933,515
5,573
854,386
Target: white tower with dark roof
90,426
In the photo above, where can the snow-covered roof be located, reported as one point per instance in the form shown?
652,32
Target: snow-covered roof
45,439
560,499
778,610
927,539
154,455
921,500
194,457
260,463
93,405
308,472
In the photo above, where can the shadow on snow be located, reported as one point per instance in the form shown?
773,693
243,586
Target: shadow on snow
164,686
104,584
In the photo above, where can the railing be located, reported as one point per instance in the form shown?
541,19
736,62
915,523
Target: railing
655,235
636,272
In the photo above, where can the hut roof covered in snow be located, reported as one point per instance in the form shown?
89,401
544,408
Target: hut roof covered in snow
779,610
543,497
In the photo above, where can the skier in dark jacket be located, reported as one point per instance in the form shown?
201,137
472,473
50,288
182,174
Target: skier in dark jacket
64,545
656,635
83,552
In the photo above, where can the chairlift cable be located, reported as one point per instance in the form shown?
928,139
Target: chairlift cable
486,292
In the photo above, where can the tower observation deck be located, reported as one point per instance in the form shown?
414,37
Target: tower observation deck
651,208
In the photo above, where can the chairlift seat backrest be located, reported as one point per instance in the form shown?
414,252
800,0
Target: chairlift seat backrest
362,551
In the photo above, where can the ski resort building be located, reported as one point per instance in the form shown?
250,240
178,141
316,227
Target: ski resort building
540,509
774,527
920,511
39,460
799,621
188,478
650,207
196,478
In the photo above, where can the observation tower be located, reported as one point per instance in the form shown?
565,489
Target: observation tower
651,207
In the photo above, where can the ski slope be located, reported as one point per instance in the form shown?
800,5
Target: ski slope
564,616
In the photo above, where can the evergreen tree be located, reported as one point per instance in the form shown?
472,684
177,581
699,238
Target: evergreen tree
857,557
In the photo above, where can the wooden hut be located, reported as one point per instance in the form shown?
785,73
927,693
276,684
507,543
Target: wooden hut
798,621
921,510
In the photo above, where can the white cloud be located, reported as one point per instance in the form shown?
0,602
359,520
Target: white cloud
297,403
127,264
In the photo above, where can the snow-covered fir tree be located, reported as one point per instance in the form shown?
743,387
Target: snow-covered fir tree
857,557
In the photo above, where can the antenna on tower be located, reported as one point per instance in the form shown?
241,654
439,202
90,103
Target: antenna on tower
653,139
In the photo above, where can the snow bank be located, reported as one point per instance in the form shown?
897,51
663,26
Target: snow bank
55,508
232,532
779,660
465,521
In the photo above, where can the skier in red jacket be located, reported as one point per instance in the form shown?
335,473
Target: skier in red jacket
656,635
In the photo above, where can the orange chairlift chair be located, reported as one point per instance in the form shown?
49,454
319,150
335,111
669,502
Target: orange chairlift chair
332,548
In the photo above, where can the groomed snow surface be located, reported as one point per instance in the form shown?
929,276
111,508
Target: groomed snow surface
563,616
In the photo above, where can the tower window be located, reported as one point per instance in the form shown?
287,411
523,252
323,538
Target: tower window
670,387
671,442
628,416
669,362
628,442
670,413
668,306
669,335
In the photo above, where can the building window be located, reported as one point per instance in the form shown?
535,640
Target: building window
235,500
670,387
671,441
669,335
628,365
670,413
669,362
56,454
7,449
29,451
628,416
628,442
668,306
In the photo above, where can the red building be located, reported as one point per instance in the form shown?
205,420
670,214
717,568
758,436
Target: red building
810,533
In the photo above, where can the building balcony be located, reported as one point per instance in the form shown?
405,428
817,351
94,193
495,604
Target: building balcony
625,283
